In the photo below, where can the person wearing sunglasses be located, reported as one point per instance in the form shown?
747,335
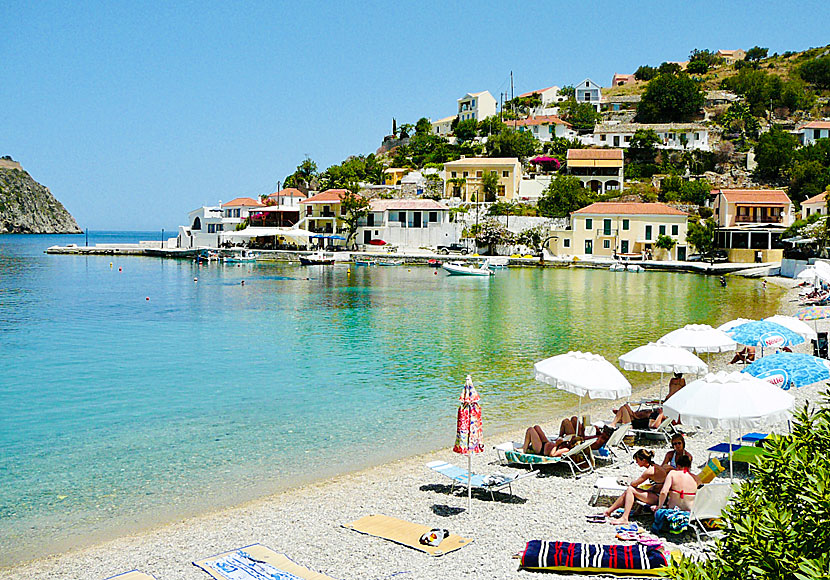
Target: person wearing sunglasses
678,450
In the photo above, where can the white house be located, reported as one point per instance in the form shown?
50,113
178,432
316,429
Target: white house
816,204
589,92
476,106
672,135
544,128
549,95
207,223
443,127
813,130
410,223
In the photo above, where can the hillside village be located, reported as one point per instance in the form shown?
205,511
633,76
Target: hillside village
725,155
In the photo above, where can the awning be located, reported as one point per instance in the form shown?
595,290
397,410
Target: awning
326,237
259,232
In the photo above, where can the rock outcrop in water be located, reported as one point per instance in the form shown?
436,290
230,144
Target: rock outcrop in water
27,207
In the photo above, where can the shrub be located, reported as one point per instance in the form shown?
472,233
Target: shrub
817,72
697,67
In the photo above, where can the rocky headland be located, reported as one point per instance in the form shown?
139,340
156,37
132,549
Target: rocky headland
27,207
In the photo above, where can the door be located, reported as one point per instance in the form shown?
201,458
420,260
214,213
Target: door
416,219
648,232
606,227
624,246
681,253
616,140
367,236
589,246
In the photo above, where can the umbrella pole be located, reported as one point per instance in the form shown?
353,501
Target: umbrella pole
731,473
661,385
469,479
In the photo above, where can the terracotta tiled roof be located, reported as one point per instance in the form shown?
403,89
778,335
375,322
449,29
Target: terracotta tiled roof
416,204
817,125
242,201
541,120
540,91
483,161
614,208
288,192
328,196
820,198
595,153
768,196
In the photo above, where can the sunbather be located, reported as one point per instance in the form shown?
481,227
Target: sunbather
653,472
679,488
678,450
745,355
676,383
645,419
571,432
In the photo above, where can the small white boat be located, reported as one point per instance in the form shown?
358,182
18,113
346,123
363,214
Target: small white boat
634,268
318,258
388,262
462,269
245,256
364,262
617,267
620,267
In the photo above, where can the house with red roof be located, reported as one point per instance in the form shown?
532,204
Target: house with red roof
810,132
750,223
622,79
549,96
545,127
814,205
323,213
600,170
611,229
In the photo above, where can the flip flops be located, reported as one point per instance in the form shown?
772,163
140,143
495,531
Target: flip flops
596,518
650,541
628,536
628,528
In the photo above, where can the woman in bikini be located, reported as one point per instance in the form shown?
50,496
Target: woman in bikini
680,487
678,446
571,433
653,472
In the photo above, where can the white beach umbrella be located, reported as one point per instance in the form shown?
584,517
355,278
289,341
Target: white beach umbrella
699,338
794,324
729,400
662,358
822,271
807,274
583,373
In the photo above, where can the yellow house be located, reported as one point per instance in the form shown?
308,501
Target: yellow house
610,229
322,214
393,175
463,177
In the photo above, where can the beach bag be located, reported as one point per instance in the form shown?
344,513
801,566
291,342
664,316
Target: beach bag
673,520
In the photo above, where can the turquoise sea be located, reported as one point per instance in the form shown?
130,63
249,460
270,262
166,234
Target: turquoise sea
120,412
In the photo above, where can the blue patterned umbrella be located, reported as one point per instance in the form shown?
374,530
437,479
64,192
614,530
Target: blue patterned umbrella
785,369
764,334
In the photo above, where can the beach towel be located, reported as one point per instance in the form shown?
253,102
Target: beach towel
256,562
405,533
673,520
132,575
633,560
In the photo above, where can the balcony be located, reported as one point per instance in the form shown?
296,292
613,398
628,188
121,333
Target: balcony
751,219
606,233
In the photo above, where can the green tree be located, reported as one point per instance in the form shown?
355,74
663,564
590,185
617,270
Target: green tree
583,116
643,146
491,126
558,147
303,176
353,206
756,53
670,98
645,73
705,56
524,105
567,91
665,242
669,68
816,72
534,237
807,179
695,191
423,127
701,234
774,152
509,143
670,188
740,122
490,186
564,195
697,67
466,130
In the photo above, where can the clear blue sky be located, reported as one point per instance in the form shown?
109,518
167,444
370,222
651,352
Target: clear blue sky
134,113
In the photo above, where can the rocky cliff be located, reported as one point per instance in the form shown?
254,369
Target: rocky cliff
27,207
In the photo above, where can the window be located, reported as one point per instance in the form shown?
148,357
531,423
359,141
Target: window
501,191
589,224
211,228
606,244
342,210
602,137
454,174
697,136
465,174
648,232
402,218
308,210
627,139
505,174
675,230
433,216
606,227
662,230
478,173
626,224
566,243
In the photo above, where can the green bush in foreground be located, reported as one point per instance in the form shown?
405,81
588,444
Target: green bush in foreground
778,524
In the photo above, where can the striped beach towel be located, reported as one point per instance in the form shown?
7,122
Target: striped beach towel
634,559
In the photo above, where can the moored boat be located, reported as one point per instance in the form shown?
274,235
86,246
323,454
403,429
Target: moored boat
390,262
318,258
462,269
364,262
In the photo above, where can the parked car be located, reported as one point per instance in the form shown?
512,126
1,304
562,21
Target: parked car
719,256
455,247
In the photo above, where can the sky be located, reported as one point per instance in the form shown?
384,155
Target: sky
135,113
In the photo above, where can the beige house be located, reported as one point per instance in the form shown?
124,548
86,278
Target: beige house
322,214
816,204
751,222
609,229
731,56
463,177
600,170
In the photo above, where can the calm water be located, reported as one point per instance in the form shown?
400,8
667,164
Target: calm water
119,412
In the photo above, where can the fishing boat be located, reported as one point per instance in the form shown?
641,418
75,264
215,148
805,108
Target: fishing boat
245,256
208,256
383,262
364,262
318,258
462,269
433,262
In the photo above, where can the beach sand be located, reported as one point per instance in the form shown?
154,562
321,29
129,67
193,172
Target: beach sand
305,523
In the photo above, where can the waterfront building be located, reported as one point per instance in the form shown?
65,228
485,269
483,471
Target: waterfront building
600,170
544,128
815,205
750,223
208,223
682,136
463,177
407,223
620,104
610,229
809,132
589,92
322,214
476,106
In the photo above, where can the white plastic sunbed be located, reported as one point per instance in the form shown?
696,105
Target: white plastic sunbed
460,476
709,503
579,459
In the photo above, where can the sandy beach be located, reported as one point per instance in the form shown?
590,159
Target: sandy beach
306,523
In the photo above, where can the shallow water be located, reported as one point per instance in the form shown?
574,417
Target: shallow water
121,412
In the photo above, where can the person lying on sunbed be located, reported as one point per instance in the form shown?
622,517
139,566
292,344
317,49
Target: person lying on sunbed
570,434
679,488
745,355
655,473
678,450
645,419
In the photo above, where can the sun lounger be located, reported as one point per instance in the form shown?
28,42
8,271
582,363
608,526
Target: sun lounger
491,483
748,454
255,562
132,575
579,459
605,485
708,505
664,431
405,533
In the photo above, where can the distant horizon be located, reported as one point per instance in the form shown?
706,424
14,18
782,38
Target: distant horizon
137,114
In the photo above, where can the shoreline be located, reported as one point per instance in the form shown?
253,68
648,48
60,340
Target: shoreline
304,522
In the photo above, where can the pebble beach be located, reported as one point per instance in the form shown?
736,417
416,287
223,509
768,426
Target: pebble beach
306,523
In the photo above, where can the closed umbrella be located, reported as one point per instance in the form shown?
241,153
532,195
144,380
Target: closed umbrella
729,400
785,369
662,358
699,338
583,373
764,334
469,437
795,325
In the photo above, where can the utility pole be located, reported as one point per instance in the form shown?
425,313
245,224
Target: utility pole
512,96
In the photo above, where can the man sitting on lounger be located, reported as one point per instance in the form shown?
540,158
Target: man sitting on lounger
645,419
571,432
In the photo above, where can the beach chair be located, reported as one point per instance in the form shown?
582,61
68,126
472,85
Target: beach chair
492,483
614,442
708,505
664,431
579,459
